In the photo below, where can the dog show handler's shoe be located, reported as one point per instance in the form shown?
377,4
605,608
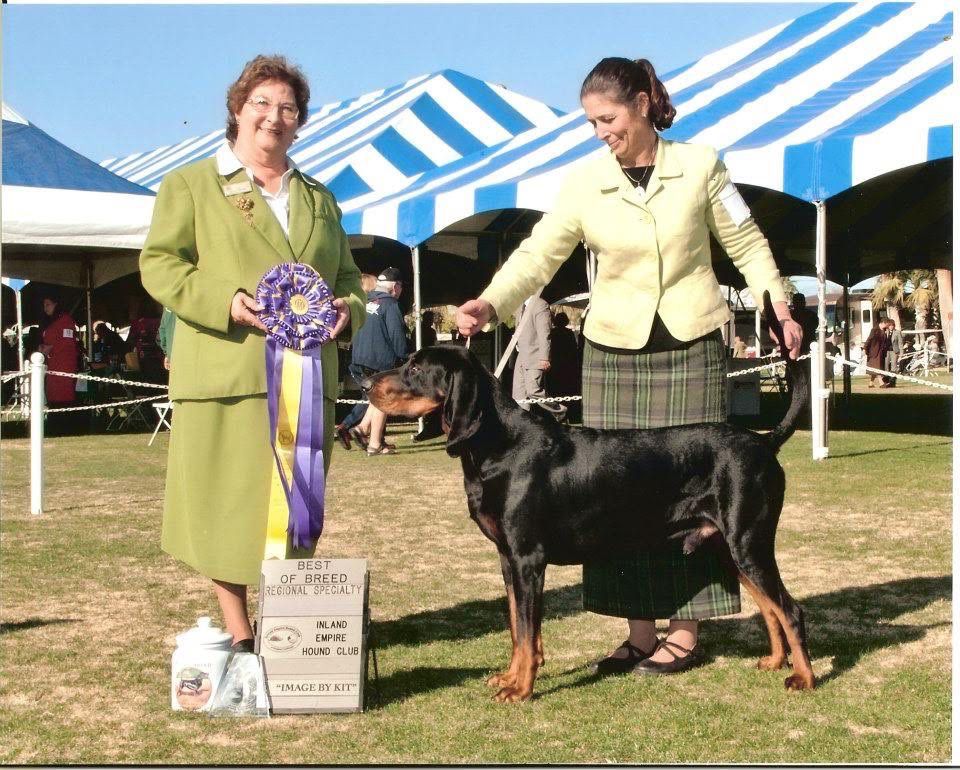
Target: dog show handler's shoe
342,435
615,665
684,662
359,436
244,645
386,449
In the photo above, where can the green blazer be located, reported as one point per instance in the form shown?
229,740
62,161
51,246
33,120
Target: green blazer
203,247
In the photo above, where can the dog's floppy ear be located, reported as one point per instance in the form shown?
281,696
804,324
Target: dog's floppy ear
461,410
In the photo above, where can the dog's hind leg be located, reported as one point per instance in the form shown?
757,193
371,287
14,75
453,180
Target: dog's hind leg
777,658
528,573
760,574
508,676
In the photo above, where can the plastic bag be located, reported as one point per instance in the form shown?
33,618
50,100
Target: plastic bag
242,691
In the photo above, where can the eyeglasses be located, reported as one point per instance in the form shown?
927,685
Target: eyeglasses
263,105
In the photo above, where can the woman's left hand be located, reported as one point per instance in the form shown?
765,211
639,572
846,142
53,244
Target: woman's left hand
343,317
792,336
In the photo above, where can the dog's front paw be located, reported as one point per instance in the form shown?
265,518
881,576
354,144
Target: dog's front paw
513,694
772,663
502,679
800,682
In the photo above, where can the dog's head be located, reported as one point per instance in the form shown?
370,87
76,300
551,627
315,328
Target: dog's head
447,377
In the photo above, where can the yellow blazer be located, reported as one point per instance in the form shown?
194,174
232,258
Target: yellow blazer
653,248
201,250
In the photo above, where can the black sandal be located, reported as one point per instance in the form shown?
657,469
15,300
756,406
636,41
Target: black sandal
614,665
689,659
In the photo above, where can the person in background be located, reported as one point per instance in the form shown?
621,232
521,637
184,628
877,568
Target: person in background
804,316
108,349
875,349
61,350
382,344
143,340
739,347
218,226
533,356
654,354
893,355
165,335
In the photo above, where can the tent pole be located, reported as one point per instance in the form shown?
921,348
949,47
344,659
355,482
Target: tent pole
417,310
498,329
846,347
19,302
756,329
89,309
820,394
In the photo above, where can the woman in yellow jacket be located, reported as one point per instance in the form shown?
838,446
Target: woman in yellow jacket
654,354
218,226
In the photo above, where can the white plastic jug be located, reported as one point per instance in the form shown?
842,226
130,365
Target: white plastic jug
198,665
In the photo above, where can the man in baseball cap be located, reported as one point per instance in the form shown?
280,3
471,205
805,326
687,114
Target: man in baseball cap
382,346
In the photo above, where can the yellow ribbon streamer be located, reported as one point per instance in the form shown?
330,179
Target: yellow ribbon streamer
288,411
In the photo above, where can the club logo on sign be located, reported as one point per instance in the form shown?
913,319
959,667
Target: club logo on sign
282,638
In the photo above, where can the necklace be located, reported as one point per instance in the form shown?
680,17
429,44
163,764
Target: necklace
642,178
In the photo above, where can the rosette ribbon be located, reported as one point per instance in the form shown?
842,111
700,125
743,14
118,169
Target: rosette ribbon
299,315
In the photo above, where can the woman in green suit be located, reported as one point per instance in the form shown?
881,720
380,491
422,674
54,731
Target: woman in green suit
218,226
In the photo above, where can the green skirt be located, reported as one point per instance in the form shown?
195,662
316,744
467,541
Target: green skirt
654,390
218,486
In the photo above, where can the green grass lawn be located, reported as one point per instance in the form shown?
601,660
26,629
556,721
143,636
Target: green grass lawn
90,607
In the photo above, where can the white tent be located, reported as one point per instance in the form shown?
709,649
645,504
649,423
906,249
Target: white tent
66,220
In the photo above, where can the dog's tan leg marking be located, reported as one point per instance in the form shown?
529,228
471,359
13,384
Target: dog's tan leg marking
508,677
778,655
802,677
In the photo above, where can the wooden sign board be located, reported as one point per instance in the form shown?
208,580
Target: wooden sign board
312,631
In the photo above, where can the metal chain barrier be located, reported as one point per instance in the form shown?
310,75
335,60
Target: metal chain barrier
775,362
885,373
110,405
14,376
113,380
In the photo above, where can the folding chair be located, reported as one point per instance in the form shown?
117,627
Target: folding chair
161,408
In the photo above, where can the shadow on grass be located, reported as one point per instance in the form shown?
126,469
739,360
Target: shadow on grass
888,449
26,625
844,625
400,685
926,413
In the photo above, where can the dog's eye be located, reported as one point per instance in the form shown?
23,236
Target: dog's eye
414,369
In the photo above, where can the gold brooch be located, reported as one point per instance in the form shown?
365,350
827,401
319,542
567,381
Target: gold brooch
246,206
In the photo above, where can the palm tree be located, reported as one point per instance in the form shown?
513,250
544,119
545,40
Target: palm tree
889,293
922,298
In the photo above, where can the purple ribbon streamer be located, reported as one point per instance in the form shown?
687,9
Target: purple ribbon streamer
305,491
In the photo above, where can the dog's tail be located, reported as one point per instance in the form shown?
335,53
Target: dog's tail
798,380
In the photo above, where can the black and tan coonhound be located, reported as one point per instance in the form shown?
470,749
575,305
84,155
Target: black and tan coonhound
546,493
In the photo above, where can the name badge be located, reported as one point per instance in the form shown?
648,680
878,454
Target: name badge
237,188
68,334
734,203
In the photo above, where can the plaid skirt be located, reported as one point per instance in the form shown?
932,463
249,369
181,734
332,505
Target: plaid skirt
655,390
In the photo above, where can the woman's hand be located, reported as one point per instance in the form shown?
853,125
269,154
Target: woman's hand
792,336
473,315
343,317
244,309
792,331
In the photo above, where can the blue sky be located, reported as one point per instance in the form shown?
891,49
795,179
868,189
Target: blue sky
108,80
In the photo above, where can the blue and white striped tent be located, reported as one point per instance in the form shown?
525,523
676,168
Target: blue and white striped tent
381,142
809,108
66,220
